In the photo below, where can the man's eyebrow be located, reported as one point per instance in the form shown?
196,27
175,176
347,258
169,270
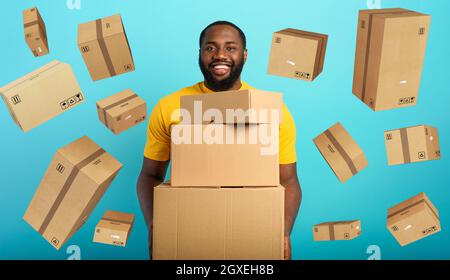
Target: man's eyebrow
213,42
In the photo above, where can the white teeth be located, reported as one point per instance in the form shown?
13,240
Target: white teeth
221,67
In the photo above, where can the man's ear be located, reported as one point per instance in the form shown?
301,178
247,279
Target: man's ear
245,55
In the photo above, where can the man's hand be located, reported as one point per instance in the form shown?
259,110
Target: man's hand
287,248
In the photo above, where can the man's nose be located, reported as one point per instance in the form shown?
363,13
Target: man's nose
220,54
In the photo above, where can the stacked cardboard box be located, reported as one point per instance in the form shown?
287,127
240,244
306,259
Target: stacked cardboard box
224,201
114,228
297,54
389,57
76,179
35,32
105,49
42,95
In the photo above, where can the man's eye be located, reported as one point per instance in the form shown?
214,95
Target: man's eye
209,49
230,49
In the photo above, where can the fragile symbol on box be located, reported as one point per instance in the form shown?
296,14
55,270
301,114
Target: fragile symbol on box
55,241
66,104
302,75
422,155
429,230
407,100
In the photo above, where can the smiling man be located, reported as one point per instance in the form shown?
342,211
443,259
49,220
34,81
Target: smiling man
223,54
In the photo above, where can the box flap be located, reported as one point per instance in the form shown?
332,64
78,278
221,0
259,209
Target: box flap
105,27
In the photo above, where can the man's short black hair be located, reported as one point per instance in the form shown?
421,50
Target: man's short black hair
222,22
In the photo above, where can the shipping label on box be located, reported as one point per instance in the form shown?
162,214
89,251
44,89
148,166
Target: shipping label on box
76,179
297,54
225,155
389,57
413,219
412,144
122,111
218,223
341,152
35,32
332,231
42,95
233,107
105,49
114,228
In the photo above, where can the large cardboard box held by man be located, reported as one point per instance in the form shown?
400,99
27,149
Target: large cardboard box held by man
218,223
42,95
412,144
297,54
341,152
114,228
389,57
35,32
233,107
122,111
346,230
76,179
413,219
105,49
227,155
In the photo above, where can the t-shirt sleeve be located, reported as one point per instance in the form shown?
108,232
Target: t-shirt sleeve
158,137
288,136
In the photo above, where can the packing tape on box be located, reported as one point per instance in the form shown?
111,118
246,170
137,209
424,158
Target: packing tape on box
29,24
405,145
331,230
411,206
342,152
104,49
66,187
123,100
116,221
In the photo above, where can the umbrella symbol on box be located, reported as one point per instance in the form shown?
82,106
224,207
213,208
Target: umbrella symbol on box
64,105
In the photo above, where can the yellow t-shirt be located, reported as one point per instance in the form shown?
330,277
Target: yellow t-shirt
161,120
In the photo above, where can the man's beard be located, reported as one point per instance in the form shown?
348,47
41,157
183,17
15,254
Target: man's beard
225,84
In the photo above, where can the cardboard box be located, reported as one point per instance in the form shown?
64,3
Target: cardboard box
76,179
297,54
122,111
104,46
346,230
225,155
341,152
412,144
389,57
413,219
218,223
35,32
243,106
114,228
42,95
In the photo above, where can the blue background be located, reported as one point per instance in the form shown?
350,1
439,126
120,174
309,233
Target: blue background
164,40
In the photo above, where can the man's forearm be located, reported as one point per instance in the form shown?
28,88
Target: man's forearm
145,187
293,198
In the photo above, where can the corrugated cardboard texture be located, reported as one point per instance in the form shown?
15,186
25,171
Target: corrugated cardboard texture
42,95
105,49
412,144
413,219
114,228
218,224
35,32
341,152
75,181
250,106
122,111
332,231
297,54
389,57
203,164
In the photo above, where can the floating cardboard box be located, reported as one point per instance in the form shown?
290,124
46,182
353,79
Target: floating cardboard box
341,152
104,46
297,54
122,111
390,52
243,106
412,144
76,179
225,155
35,32
346,230
218,223
114,228
42,95
413,219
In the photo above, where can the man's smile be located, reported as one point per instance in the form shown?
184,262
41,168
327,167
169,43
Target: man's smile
220,68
